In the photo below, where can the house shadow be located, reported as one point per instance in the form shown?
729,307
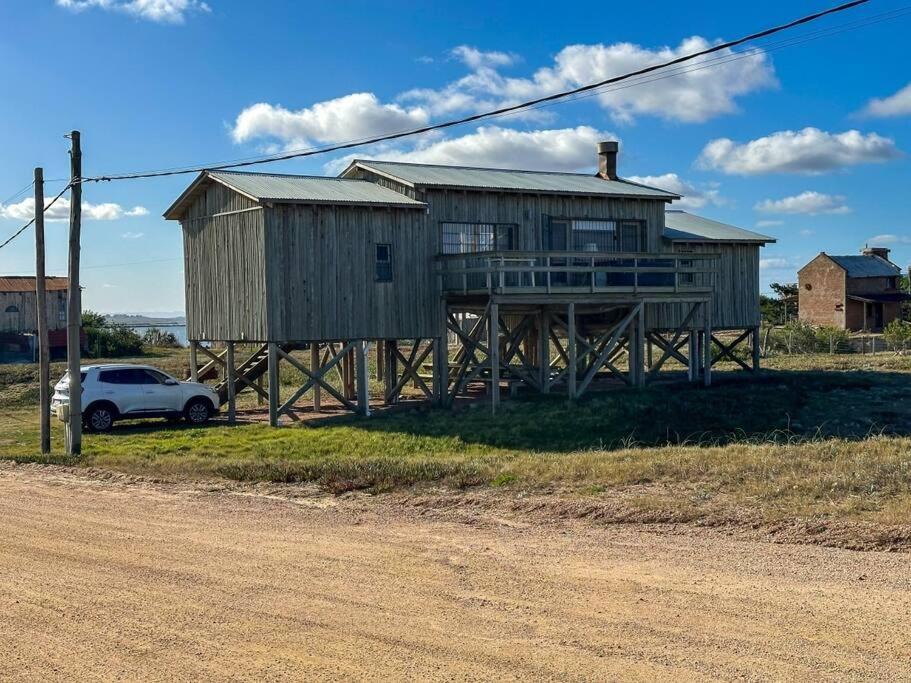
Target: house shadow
738,408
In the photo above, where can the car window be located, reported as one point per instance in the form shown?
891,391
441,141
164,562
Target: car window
158,377
109,376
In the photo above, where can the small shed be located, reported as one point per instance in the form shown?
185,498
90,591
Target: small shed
19,315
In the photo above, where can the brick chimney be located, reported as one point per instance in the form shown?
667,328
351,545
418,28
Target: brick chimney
607,159
882,252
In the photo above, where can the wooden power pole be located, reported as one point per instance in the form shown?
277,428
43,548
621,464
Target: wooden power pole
74,303
44,359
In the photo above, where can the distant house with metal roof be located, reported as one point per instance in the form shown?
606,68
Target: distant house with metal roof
857,292
19,315
486,276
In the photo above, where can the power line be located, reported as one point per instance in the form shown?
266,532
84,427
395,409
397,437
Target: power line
27,225
18,194
496,112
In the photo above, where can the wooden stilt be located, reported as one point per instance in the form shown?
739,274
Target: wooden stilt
573,361
493,345
314,368
380,359
273,384
544,350
391,367
229,379
707,341
754,341
640,346
194,362
692,370
441,370
363,381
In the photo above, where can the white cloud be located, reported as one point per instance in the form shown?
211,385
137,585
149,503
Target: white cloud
350,117
692,95
768,224
60,211
879,240
162,11
694,197
806,202
806,232
474,58
809,151
898,104
132,235
566,149
773,264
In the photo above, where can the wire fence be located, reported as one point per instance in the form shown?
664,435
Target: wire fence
797,338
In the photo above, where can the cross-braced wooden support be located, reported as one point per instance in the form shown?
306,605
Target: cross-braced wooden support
404,367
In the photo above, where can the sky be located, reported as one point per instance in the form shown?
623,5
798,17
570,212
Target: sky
806,140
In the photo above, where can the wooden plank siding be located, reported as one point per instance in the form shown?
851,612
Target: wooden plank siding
321,273
25,319
224,268
735,301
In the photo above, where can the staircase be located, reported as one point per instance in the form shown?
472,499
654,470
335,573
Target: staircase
246,373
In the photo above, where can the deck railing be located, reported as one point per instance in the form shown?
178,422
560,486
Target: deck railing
549,272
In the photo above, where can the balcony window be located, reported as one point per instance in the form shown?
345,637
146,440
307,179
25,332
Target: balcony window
472,238
566,234
383,268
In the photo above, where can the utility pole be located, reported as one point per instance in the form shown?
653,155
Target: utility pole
74,303
44,370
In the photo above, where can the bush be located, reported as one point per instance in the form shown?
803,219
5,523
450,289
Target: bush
832,340
798,337
109,341
897,335
160,338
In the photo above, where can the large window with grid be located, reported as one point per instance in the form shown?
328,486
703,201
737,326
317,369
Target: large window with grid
570,234
471,238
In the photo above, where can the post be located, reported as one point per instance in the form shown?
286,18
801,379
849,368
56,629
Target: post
194,361
441,369
639,376
707,345
755,348
391,368
44,368
273,384
314,368
74,303
544,351
229,381
692,368
363,381
571,352
380,359
493,341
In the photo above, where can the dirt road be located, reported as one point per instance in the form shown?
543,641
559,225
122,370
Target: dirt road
104,579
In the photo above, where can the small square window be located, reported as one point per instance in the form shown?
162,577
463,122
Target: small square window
383,270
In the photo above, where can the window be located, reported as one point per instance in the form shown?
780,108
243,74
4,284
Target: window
686,278
594,235
12,309
383,270
471,238
128,376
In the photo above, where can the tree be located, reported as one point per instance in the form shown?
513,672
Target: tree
787,299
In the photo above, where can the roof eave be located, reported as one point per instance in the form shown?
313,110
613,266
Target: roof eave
177,209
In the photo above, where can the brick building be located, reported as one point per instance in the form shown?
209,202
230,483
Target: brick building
851,292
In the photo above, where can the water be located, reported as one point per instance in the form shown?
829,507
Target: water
179,331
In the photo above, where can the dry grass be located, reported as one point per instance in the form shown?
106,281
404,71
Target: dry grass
789,444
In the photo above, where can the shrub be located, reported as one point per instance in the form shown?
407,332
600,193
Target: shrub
897,335
109,341
160,338
832,340
798,337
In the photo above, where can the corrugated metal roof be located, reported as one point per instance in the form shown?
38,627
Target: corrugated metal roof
317,189
429,175
681,226
866,266
26,283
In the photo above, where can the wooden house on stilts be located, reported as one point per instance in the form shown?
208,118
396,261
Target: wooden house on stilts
458,277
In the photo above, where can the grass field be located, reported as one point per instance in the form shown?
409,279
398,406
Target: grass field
810,437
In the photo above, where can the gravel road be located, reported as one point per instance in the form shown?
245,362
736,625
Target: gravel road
122,579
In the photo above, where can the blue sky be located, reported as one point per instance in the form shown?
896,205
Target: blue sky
808,143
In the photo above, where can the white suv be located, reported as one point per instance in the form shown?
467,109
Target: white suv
128,392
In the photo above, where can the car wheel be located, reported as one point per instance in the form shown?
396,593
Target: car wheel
198,411
100,418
